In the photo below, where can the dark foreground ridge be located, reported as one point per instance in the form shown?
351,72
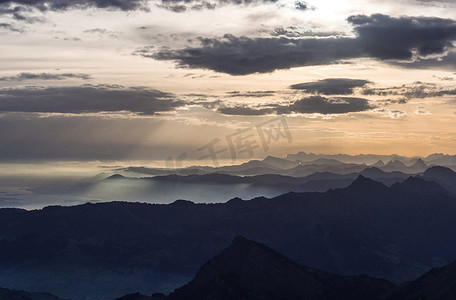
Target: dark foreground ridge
6,294
249,270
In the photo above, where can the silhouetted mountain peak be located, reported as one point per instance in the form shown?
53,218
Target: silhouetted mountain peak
7,294
136,296
280,163
362,179
250,270
396,164
242,242
379,163
419,185
413,180
258,252
363,184
116,176
182,203
419,163
445,177
438,171
235,201
269,158
436,156
254,163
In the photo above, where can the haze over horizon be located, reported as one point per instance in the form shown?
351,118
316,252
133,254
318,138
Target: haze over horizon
148,80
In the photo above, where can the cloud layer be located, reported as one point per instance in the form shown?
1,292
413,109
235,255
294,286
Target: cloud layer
331,86
179,6
377,36
307,105
45,5
44,76
18,9
87,99
416,90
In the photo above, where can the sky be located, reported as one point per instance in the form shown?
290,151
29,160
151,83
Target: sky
218,81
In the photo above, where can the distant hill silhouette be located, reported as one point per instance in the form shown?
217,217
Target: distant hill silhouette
280,163
395,165
379,163
441,159
420,186
443,176
303,164
217,187
293,165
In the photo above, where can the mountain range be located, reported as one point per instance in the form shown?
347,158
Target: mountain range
315,173
104,250
217,187
302,164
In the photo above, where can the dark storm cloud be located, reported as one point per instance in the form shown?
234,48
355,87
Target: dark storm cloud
301,5
182,6
323,105
447,62
237,2
384,37
308,105
251,94
44,76
331,86
416,90
14,7
87,99
20,13
10,27
243,110
296,32
243,55
45,5
377,36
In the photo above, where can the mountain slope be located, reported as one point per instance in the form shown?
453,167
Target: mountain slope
437,284
6,294
379,163
250,270
443,176
280,163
